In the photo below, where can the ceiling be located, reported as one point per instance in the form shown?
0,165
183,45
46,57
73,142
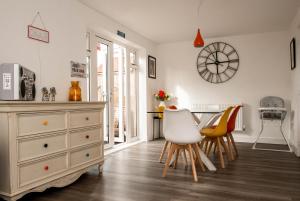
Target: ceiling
164,21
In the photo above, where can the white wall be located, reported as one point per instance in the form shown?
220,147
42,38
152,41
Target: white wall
264,70
67,22
295,77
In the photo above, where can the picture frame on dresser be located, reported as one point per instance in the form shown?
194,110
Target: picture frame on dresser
293,53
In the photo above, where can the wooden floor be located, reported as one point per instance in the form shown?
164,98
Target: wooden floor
135,174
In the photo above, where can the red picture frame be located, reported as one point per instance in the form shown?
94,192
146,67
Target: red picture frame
38,34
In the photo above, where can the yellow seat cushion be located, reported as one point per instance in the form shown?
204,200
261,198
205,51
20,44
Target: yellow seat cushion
220,129
207,131
210,132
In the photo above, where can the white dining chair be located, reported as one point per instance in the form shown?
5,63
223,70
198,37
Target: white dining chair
180,130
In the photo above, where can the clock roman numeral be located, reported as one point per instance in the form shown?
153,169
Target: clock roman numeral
203,64
230,68
216,46
233,60
224,47
209,77
218,78
203,72
207,50
230,53
204,57
226,74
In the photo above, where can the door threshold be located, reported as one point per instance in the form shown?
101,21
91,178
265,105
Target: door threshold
120,147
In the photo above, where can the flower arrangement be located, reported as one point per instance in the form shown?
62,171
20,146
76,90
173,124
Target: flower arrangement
162,96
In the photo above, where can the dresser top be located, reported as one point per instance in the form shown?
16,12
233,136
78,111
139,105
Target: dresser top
48,102
27,106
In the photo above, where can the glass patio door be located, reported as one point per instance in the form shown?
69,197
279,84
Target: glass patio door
117,86
104,83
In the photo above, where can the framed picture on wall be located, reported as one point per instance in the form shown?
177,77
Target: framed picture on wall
151,67
293,53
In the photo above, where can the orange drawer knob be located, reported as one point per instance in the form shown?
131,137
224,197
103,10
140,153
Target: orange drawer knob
45,123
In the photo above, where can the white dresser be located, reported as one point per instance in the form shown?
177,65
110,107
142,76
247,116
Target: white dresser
46,145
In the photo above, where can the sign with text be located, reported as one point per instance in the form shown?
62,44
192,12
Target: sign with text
38,34
78,70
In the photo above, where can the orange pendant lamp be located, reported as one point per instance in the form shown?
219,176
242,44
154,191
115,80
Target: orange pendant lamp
198,42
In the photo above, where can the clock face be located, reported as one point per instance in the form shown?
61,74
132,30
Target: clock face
217,62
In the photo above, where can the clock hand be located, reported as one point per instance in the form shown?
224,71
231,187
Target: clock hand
220,62
217,62
211,63
234,60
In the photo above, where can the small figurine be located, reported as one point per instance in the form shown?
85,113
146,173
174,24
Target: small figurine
52,93
45,93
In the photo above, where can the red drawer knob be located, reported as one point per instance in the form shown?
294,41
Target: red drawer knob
87,136
46,168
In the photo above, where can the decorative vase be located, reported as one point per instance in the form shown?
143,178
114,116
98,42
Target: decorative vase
162,104
161,108
75,91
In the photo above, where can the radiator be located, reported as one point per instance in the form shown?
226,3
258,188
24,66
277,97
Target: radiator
239,124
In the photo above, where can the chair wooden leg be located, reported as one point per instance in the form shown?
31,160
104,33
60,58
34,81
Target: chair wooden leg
229,145
193,163
208,142
177,156
220,153
225,148
203,143
185,158
234,145
197,150
163,151
215,147
209,147
170,154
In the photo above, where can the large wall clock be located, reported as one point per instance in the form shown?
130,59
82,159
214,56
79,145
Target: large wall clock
217,62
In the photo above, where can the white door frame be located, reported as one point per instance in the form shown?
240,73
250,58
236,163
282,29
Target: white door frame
110,82
94,40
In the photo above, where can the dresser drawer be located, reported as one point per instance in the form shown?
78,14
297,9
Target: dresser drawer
85,137
40,122
39,170
85,155
31,148
85,118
